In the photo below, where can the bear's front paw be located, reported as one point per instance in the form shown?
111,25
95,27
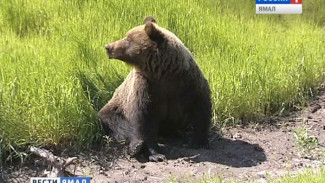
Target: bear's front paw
157,158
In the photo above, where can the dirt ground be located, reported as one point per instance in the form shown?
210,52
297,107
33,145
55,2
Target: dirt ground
254,152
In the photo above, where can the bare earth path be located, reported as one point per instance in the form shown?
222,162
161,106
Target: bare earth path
243,153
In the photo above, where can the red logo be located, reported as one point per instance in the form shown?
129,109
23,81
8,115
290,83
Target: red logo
296,2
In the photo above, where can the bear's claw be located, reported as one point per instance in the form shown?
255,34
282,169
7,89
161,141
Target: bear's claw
135,148
157,158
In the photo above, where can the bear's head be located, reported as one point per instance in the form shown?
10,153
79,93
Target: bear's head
151,49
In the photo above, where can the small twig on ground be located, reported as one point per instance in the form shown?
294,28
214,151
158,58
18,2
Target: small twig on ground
58,164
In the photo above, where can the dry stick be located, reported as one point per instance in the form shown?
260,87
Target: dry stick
58,164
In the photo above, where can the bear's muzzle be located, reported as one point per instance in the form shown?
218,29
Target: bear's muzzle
108,48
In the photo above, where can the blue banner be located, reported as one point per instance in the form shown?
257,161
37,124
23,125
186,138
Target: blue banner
272,1
60,180
75,179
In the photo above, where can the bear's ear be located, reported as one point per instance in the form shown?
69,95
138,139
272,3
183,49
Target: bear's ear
153,32
149,19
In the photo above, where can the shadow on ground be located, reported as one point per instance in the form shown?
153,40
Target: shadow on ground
230,152
235,153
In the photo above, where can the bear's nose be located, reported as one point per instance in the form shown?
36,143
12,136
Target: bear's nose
107,46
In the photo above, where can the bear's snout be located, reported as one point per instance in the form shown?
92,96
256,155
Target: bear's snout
108,48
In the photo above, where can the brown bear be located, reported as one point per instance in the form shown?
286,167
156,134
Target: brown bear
165,94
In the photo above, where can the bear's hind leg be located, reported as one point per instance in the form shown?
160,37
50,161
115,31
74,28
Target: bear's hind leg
114,125
117,126
135,146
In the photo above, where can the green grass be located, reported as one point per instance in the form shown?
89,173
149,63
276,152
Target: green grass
308,176
54,73
307,143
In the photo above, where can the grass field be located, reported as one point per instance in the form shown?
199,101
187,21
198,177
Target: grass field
308,176
55,75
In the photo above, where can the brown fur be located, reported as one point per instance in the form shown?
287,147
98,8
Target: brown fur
165,93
